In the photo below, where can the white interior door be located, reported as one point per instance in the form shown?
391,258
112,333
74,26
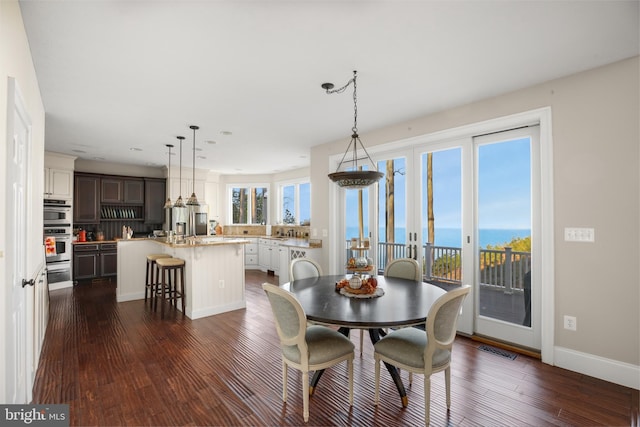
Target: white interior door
19,302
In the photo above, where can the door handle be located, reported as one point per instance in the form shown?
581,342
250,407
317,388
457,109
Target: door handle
415,251
28,282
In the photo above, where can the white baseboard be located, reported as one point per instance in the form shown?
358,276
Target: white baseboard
610,370
193,315
60,285
129,297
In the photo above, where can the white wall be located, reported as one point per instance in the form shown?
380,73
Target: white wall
596,184
106,168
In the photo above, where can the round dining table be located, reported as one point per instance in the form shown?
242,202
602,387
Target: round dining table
400,303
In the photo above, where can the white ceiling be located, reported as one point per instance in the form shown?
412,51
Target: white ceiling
116,75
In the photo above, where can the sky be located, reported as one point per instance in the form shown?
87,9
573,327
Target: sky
503,182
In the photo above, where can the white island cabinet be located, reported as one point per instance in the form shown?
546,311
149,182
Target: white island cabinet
214,273
290,251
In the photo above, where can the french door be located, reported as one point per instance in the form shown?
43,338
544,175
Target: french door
465,209
419,207
507,204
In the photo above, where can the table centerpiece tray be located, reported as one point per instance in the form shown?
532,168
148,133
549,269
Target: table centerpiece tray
368,289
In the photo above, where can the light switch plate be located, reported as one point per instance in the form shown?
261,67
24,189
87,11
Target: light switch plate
573,234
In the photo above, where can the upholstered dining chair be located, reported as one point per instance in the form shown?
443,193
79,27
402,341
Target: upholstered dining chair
403,268
424,352
306,348
304,268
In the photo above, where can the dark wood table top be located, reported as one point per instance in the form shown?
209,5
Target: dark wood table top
404,303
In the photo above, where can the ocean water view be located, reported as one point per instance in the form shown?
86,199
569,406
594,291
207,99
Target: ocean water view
452,237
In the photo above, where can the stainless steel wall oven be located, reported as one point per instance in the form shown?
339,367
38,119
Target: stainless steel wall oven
58,252
57,240
57,212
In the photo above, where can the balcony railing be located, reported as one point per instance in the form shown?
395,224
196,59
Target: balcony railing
500,269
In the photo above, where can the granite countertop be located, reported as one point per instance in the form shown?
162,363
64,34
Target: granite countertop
189,242
297,242
225,239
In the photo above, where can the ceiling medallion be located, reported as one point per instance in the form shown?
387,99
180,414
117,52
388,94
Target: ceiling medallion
355,177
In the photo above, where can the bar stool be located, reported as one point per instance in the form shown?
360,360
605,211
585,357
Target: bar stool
152,276
171,289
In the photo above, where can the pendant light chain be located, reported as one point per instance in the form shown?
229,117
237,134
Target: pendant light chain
355,106
356,178
168,204
193,174
193,200
179,202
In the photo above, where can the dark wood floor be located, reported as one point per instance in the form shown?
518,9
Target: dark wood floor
119,364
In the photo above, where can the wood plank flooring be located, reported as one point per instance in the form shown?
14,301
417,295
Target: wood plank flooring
119,364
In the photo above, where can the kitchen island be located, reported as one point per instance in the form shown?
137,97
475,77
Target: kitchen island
214,272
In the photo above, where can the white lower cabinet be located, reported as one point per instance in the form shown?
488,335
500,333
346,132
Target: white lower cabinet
289,253
251,254
269,256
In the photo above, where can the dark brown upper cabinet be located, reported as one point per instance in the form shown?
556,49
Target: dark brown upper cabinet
128,191
155,196
86,201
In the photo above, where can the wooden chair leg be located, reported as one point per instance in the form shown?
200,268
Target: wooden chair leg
376,394
163,283
285,376
183,291
427,399
147,283
305,396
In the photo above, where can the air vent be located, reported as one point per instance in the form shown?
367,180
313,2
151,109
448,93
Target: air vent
498,351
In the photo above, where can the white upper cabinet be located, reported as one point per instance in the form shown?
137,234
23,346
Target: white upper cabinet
187,189
58,176
58,184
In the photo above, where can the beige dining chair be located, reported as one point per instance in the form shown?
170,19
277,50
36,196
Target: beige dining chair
403,268
424,352
304,268
306,348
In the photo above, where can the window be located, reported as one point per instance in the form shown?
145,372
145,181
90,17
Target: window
248,205
295,203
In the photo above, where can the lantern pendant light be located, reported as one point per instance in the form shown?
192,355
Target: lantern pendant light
355,177
179,202
193,200
168,204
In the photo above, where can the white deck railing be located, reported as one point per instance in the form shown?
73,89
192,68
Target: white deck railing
500,269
